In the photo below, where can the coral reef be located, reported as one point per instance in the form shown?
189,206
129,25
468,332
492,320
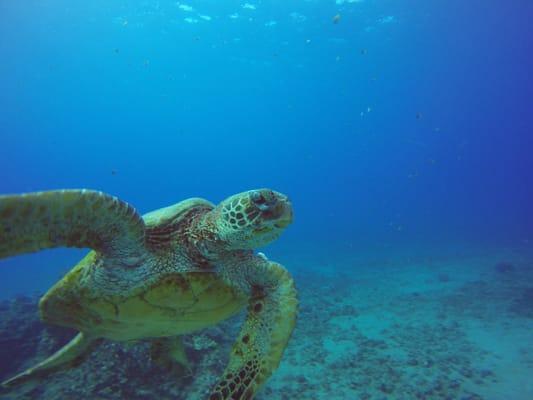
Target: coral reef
504,267
523,304
447,332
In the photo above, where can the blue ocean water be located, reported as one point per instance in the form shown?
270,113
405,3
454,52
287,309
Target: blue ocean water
406,123
396,128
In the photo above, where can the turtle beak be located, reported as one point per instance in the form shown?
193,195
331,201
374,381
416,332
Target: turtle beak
276,209
283,223
286,214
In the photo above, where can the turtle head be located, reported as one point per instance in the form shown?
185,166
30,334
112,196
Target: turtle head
252,219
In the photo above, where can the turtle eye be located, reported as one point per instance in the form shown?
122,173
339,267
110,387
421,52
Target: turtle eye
260,201
258,198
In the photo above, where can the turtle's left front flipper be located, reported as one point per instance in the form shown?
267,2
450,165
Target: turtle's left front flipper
268,326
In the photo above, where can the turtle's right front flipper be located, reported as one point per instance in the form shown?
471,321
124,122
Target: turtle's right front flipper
69,218
266,331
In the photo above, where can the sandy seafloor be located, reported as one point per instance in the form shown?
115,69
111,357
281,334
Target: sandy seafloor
458,326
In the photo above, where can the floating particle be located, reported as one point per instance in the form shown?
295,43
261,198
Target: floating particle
298,17
386,20
185,7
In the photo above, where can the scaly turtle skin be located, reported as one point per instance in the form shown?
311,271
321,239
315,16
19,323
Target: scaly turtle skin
173,271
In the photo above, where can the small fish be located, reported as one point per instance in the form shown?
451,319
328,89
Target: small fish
336,19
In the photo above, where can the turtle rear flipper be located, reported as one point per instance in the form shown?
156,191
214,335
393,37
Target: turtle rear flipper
169,353
70,218
69,355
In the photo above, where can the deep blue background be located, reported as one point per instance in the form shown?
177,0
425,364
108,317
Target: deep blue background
129,98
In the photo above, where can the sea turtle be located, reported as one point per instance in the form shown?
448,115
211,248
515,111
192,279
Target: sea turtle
170,272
